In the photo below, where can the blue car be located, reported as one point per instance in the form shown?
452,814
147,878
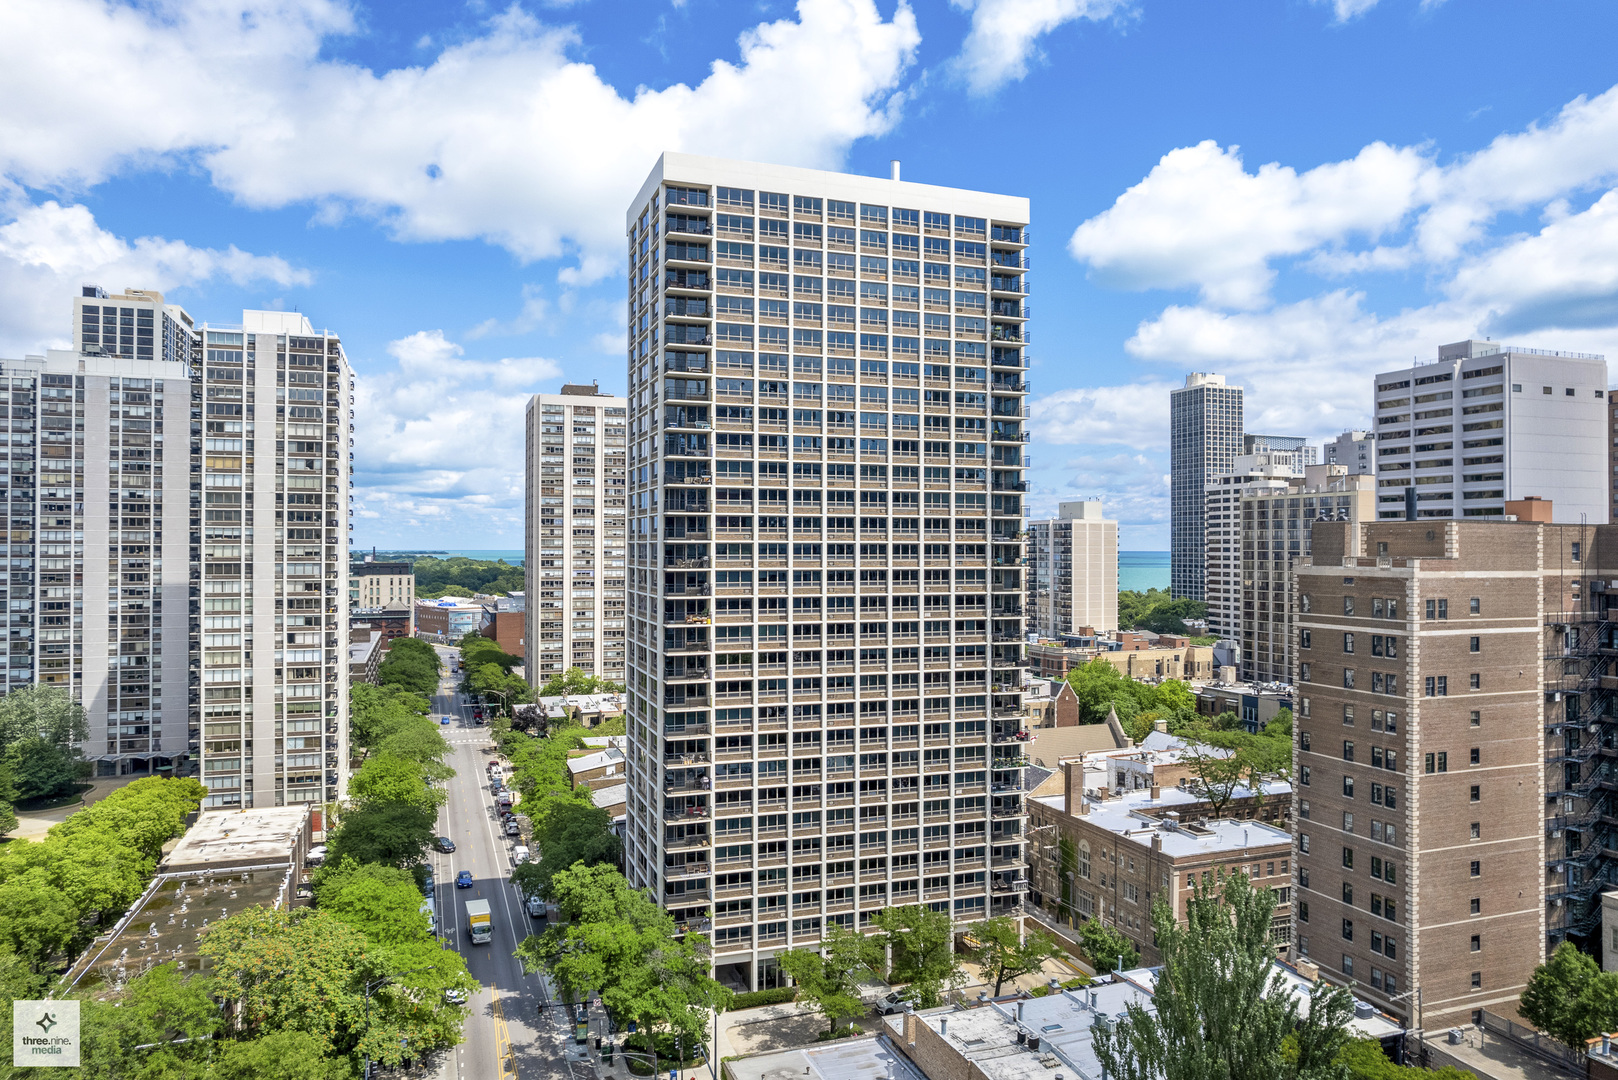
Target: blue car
463,880
443,720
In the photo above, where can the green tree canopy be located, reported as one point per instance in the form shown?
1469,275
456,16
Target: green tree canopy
381,902
382,831
41,727
1157,610
1570,998
923,944
385,778
1106,946
1220,1010
619,942
575,681
377,712
828,978
1004,953
568,834
460,576
411,665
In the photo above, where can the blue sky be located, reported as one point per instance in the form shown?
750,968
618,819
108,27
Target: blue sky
1296,194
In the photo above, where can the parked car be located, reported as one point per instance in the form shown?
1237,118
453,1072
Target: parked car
444,844
463,880
892,1003
511,827
316,856
455,997
519,855
535,906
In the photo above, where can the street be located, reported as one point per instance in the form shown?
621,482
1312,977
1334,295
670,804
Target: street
507,1034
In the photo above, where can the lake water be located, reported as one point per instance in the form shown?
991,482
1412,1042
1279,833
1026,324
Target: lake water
1142,570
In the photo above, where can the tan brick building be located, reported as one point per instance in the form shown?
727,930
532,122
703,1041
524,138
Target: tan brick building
1432,740
1109,855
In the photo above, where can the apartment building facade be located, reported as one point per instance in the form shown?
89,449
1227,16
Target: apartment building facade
1205,438
1293,449
272,412
1222,532
1073,571
381,585
826,394
1277,527
1355,450
577,485
1489,423
1425,752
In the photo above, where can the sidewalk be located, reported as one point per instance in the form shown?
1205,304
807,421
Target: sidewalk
35,826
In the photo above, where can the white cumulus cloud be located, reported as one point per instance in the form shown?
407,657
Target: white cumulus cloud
1005,34
48,251
505,137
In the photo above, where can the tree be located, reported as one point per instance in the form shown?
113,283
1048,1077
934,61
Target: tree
575,681
306,970
41,727
1570,998
280,1055
152,1011
923,943
419,741
376,712
36,921
1217,773
1157,610
1220,1009
1108,949
381,902
570,833
1005,954
1364,1060
615,940
384,832
385,778
829,977
411,665
460,576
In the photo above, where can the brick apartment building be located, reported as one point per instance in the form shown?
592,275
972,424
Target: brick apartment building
1107,849
1451,693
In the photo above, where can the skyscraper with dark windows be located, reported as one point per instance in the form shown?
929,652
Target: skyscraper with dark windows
826,428
1205,436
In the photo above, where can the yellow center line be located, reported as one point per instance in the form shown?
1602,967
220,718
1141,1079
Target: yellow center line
502,1039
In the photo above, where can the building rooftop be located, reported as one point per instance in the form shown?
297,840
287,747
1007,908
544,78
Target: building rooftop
601,759
849,1059
608,797
268,836
1137,816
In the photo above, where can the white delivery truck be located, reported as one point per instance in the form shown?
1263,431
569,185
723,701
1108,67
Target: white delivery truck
479,922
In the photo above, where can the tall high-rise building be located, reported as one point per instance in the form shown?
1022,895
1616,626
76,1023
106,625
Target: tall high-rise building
1294,448
93,607
826,598
1451,784
1354,449
1205,437
1487,423
1073,570
577,491
270,424
1222,532
1275,534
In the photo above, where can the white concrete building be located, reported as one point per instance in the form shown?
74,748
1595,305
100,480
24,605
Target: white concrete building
1355,450
1222,531
1073,570
273,416
1488,423
577,492
826,424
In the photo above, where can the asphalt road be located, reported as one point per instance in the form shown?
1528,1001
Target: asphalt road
507,1034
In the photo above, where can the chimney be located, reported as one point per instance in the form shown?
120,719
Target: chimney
943,1026
1074,805
1156,792
893,169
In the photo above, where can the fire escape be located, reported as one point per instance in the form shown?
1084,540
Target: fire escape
1581,761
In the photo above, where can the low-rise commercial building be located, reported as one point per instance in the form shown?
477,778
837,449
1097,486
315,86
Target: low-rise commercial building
390,622
448,619
504,621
